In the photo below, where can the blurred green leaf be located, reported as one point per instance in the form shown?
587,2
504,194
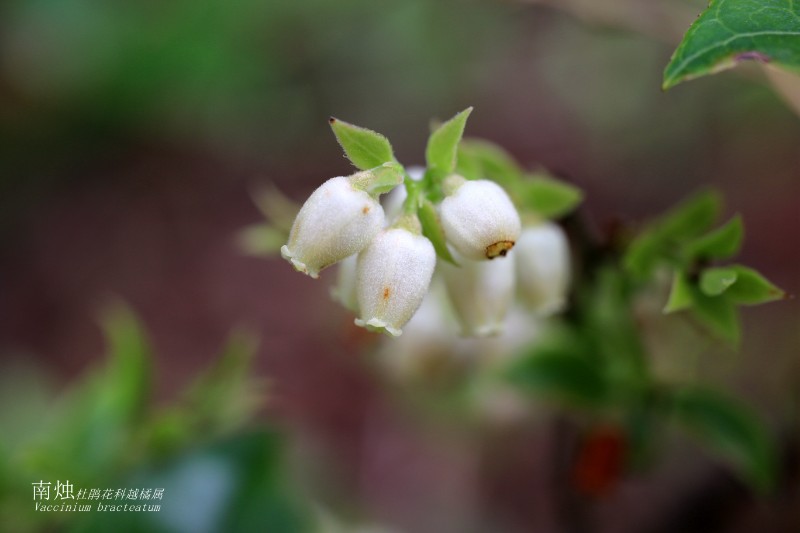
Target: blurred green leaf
690,218
226,395
442,148
728,428
467,164
93,429
680,295
276,207
731,31
365,148
715,281
550,198
557,366
751,288
643,255
496,164
661,241
261,240
719,315
432,229
127,380
722,243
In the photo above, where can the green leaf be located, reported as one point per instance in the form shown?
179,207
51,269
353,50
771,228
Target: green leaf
443,143
691,218
731,31
751,288
680,295
549,197
496,164
722,243
468,164
715,281
662,239
558,367
719,315
227,394
728,428
365,148
432,229
643,254
276,207
127,379
261,240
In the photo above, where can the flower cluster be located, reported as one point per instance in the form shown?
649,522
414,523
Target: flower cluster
434,219
387,265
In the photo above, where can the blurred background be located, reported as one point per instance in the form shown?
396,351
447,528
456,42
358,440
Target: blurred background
133,135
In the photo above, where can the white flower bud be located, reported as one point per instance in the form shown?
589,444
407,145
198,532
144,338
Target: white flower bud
543,268
394,273
336,221
481,293
479,219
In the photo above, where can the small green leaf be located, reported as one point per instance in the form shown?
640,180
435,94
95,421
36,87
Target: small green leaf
751,288
549,197
226,395
261,240
722,243
379,180
692,217
276,207
731,31
680,295
496,164
715,281
662,239
432,229
643,254
365,148
127,379
719,315
443,143
730,429
468,164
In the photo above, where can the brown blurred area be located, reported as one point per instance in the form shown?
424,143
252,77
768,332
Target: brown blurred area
132,136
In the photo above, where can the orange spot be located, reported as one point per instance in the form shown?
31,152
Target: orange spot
500,248
365,209
386,293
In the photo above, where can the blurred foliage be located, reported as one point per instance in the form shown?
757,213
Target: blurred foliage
683,241
219,471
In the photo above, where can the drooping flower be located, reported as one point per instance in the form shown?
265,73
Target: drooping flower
478,218
393,275
543,268
339,219
481,292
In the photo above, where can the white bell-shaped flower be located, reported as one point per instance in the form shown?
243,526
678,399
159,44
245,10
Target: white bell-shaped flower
542,258
339,219
478,218
393,275
481,292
